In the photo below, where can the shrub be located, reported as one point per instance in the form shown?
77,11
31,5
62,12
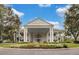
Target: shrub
30,45
65,46
55,40
51,46
37,45
45,42
1,41
18,46
23,46
23,42
7,41
76,42
67,41
43,46
59,46
72,45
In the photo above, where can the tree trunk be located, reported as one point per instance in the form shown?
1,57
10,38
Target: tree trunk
14,37
75,37
1,36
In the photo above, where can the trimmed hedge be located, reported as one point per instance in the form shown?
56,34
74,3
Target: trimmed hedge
51,46
44,46
33,45
67,41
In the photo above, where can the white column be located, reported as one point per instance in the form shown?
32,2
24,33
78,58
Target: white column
52,34
25,34
19,35
29,37
14,37
47,37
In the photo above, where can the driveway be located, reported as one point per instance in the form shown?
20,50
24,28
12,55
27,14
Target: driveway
17,51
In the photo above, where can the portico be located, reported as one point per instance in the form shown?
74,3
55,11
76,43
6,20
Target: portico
38,30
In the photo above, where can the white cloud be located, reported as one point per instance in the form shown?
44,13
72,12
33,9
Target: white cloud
8,5
17,12
44,5
14,10
61,11
57,25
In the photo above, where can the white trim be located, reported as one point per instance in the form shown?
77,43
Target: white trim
25,34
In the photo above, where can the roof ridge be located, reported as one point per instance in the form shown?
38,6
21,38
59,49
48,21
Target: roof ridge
39,18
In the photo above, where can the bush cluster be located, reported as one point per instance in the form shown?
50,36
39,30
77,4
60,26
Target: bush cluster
77,42
67,41
1,41
43,46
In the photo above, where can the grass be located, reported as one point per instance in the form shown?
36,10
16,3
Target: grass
72,45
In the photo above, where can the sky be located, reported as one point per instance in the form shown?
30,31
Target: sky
53,13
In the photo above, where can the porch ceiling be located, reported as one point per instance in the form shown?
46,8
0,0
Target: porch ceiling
38,30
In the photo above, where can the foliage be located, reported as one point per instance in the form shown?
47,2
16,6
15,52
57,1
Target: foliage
72,21
51,46
7,41
32,45
23,42
77,42
9,22
72,45
67,41
39,45
1,41
65,46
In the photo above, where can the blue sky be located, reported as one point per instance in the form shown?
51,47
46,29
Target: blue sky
53,13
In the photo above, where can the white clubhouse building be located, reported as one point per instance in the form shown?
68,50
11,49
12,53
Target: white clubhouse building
38,30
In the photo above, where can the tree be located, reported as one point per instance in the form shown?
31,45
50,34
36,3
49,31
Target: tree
9,22
2,10
72,21
12,23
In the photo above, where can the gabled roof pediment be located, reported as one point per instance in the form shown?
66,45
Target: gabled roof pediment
38,21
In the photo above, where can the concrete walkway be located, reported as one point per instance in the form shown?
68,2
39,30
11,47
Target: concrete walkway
17,51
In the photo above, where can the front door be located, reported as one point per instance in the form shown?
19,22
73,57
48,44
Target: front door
38,37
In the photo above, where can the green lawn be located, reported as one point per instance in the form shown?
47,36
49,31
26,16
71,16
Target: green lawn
72,45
